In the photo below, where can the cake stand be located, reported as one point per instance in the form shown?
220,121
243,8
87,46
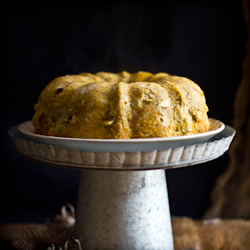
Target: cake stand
123,199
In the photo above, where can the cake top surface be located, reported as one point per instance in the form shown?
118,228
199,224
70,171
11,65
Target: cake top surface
123,105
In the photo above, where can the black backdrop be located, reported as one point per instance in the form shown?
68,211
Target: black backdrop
202,40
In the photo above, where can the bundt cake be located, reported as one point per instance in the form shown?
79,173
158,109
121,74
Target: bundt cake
121,106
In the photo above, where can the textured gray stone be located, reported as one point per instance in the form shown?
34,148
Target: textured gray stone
124,210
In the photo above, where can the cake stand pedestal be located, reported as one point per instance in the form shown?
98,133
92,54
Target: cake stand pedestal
122,199
123,210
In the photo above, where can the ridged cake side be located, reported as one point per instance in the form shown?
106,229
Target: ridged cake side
121,106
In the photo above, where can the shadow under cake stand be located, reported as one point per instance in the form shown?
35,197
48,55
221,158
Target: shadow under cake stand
123,198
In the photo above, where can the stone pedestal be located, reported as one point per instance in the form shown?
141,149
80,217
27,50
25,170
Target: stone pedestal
125,210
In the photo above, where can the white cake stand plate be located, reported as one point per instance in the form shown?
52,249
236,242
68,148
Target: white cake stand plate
123,199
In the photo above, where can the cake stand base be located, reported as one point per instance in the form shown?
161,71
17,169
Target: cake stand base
125,210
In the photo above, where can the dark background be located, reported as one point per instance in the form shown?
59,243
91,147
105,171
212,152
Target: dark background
202,40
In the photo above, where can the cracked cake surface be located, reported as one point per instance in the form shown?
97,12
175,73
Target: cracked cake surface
121,106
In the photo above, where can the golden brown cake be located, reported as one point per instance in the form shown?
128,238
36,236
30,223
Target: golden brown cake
121,106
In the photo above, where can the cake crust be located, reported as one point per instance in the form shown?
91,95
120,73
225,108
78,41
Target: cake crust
121,106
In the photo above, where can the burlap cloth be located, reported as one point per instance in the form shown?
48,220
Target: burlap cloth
215,234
